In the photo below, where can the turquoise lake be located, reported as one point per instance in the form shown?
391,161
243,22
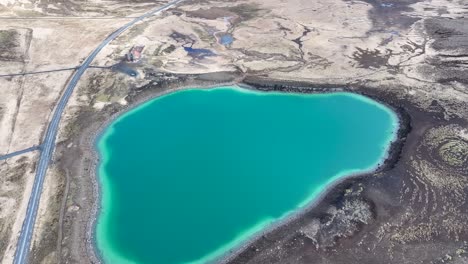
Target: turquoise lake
190,175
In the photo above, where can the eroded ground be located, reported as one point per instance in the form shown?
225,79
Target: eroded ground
410,54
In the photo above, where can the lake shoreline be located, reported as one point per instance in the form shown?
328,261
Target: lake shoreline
95,135
387,163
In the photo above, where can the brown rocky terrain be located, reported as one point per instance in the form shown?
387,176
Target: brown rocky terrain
409,54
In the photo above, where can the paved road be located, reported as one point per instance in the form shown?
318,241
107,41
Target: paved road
37,72
19,152
49,71
24,241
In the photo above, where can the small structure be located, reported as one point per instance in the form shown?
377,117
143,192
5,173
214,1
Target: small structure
134,54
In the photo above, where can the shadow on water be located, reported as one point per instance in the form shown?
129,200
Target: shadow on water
199,53
226,39
125,68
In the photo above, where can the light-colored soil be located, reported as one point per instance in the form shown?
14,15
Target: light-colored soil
412,53
66,8
27,101
15,189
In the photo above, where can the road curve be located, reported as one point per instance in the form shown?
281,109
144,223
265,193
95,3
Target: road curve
24,241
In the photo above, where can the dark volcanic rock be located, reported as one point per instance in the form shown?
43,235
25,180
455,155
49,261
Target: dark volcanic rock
450,35
447,53
385,14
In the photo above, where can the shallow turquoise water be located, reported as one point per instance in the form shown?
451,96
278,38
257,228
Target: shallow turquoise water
189,175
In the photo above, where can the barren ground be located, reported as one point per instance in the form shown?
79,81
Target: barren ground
409,54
